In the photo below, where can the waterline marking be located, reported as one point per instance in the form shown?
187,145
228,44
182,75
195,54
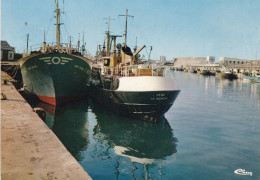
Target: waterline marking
243,172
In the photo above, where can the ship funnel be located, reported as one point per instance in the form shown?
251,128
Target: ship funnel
126,54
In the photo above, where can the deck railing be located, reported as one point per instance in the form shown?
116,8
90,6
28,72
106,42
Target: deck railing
135,70
64,48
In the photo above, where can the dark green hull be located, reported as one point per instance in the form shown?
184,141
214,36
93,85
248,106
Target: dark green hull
56,78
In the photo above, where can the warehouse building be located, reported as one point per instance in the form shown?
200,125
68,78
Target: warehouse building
185,62
7,51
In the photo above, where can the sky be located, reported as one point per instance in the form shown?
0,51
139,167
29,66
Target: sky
174,28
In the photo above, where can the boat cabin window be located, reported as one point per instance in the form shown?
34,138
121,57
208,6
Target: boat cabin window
106,62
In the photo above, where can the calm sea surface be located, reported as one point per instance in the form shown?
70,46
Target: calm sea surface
212,129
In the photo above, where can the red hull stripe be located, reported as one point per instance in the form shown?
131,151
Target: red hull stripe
59,100
49,100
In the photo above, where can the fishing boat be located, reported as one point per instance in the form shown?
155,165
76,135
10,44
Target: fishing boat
127,87
192,70
227,75
205,72
56,74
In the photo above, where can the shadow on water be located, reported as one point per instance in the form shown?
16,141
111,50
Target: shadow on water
142,142
70,124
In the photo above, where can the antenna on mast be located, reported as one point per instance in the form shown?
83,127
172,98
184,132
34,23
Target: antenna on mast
126,16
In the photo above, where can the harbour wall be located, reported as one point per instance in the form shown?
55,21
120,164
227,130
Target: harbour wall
29,149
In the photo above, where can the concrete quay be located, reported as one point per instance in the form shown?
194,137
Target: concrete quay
29,149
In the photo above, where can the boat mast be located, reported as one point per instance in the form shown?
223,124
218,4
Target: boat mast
114,42
27,44
126,26
70,41
83,45
108,38
44,43
57,24
126,16
79,43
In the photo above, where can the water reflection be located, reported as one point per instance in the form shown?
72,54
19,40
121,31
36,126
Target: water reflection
70,124
233,89
224,88
141,142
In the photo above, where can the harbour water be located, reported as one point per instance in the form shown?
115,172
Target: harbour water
212,129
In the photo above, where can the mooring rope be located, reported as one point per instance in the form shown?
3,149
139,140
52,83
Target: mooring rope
16,70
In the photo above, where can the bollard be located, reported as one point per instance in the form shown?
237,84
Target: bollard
3,96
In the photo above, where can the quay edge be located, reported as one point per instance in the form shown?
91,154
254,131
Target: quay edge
29,149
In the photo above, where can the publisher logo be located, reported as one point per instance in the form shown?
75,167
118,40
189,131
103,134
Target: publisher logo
243,172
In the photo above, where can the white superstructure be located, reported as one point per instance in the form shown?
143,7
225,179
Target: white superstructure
147,83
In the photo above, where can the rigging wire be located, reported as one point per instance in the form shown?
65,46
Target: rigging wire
17,69
9,67
49,25
146,51
66,29
14,71
62,20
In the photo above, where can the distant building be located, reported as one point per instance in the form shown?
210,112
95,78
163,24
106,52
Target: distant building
7,51
186,62
162,59
226,61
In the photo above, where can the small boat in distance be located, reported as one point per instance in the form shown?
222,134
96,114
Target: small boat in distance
56,74
253,79
207,72
227,75
127,87
204,72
